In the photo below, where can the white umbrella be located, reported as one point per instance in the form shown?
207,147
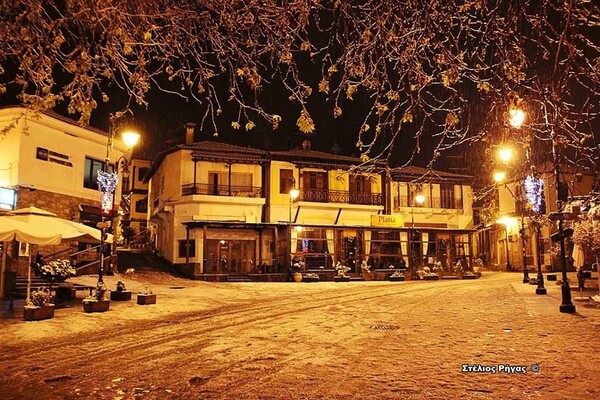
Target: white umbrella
36,226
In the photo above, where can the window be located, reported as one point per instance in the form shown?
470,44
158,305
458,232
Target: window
360,184
141,206
447,196
314,186
286,180
90,174
192,247
141,173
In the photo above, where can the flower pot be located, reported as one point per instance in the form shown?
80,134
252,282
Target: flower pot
341,278
145,299
297,277
96,306
38,313
124,295
396,278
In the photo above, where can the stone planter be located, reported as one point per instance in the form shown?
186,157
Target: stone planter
96,306
38,313
396,279
145,299
341,278
124,295
310,279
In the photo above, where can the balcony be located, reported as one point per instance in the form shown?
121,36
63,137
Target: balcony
220,190
435,202
340,196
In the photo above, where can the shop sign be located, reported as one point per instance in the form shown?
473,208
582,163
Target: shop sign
53,156
391,221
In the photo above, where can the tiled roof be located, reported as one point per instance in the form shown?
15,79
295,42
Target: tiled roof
221,147
414,172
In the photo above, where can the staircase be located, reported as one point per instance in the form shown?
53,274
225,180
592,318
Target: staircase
141,260
238,278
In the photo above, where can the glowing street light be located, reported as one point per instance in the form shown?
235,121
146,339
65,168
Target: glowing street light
499,176
516,117
505,154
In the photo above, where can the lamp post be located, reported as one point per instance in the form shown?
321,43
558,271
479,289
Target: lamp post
419,199
540,277
516,119
294,193
107,183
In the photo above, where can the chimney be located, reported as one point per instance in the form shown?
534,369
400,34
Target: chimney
189,133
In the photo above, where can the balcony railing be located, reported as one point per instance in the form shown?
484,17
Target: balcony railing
340,196
221,190
435,202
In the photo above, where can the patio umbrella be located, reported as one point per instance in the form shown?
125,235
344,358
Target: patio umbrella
36,226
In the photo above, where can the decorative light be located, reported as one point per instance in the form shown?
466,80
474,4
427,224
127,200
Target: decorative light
499,176
294,193
516,117
107,183
505,154
507,221
420,199
534,192
130,138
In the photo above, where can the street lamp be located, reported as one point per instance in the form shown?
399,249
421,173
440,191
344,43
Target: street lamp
419,199
294,194
107,184
516,119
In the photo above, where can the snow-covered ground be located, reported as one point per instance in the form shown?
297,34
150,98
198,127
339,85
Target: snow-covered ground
364,340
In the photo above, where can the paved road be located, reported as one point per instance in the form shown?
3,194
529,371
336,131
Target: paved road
367,340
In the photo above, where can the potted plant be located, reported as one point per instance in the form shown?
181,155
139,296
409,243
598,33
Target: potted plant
146,297
366,271
397,276
39,307
56,271
426,274
310,277
121,294
341,273
97,302
296,267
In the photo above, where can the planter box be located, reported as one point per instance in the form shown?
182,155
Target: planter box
124,295
551,277
431,278
469,276
38,313
310,279
396,279
145,299
341,278
96,306
65,292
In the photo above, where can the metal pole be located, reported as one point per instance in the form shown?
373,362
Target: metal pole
567,305
540,277
523,250
508,266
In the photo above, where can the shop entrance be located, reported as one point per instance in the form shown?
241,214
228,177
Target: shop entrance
230,256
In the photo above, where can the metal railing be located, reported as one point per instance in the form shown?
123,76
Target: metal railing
340,196
430,202
221,190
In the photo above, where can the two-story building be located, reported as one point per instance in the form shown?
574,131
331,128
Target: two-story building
221,209
51,162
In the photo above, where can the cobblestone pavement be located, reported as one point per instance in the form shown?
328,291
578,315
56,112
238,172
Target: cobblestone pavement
492,338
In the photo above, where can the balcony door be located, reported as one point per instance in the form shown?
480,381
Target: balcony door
314,186
360,189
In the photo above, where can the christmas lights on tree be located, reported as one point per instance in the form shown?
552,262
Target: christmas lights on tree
107,183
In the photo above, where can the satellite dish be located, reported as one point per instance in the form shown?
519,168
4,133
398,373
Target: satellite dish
306,144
